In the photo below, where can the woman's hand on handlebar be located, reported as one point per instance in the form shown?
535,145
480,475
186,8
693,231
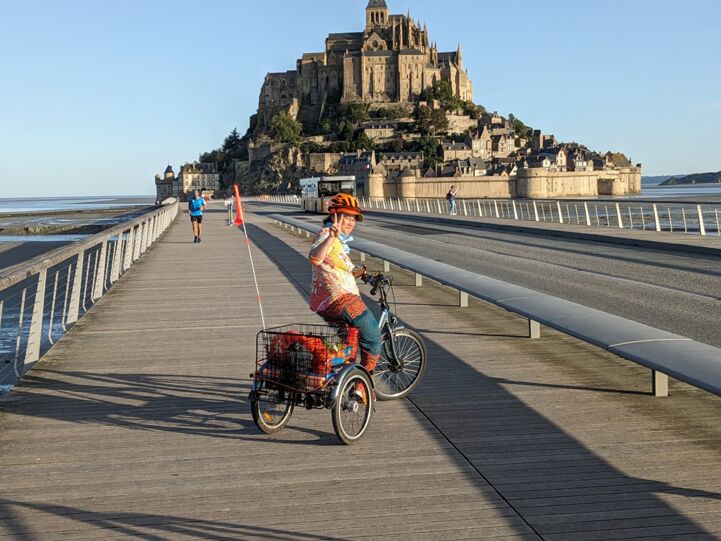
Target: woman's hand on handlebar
360,272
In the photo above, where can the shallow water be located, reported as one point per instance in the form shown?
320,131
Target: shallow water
41,238
53,204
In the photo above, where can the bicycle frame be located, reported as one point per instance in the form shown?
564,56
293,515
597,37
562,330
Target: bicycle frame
388,323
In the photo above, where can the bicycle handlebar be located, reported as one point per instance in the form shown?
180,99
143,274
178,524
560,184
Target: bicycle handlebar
375,280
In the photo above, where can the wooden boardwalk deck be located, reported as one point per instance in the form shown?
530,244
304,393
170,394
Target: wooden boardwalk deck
136,424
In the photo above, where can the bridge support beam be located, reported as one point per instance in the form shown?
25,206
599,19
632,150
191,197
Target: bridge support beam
659,383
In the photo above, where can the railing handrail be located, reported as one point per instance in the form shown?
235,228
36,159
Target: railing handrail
663,352
16,273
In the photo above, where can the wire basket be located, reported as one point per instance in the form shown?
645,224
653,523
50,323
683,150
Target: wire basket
301,357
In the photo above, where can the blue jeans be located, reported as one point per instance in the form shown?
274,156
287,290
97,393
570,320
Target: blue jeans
451,206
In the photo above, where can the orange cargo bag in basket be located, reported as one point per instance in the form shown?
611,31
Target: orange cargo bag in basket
279,344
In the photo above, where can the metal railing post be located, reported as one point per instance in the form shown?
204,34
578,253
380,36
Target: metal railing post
659,383
63,314
618,215
535,209
32,350
129,248
99,284
588,216
144,237
117,253
534,329
496,205
683,215
701,225
136,242
74,310
52,307
18,337
560,212
515,211
655,217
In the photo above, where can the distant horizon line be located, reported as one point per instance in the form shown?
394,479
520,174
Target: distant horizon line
21,197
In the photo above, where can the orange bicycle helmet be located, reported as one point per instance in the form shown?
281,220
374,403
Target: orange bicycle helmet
347,204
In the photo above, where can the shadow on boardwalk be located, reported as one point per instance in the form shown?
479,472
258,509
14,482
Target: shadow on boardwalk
149,527
558,486
199,406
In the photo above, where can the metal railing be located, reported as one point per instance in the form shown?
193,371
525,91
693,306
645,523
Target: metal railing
691,218
646,216
42,298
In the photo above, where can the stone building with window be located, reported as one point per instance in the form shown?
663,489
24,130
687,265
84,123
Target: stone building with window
199,176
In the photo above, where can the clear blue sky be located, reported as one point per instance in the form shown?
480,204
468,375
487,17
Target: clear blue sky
97,97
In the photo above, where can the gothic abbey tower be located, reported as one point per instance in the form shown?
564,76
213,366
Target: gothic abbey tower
391,61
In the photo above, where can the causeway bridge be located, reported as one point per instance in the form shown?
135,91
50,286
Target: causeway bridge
135,423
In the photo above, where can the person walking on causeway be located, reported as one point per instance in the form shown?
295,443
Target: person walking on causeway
196,206
334,293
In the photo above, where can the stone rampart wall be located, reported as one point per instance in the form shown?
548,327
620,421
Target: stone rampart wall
487,187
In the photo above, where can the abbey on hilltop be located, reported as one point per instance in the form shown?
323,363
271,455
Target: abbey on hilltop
391,61
385,106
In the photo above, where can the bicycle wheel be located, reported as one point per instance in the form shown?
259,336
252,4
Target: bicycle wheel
271,410
395,378
353,410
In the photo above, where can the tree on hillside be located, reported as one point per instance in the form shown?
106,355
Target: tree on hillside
345,131
214,156
354,112
429,146
430,121
232,142
472,110
519,127
363,142
443,92
284,128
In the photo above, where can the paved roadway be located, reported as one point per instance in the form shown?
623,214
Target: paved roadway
136,425
673,291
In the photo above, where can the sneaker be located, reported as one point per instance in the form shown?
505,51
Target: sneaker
361,394
195,239
199,239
